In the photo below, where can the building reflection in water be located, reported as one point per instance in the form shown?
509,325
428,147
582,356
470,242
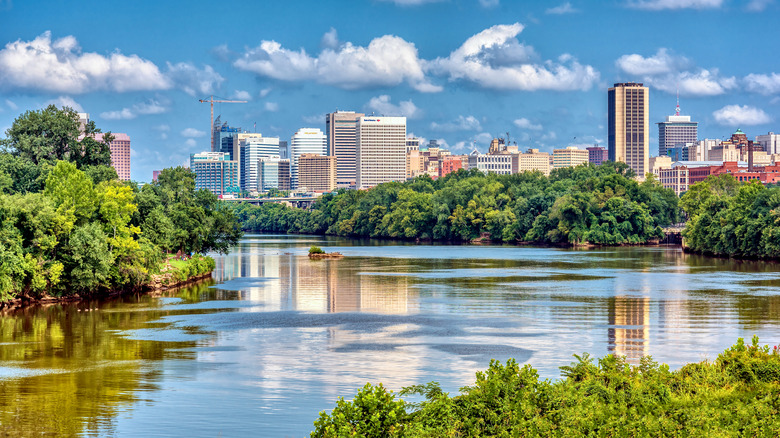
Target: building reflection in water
628,333
293,282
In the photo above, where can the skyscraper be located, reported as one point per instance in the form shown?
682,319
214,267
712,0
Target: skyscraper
305,141
120,154
381,150
341,132
676,130
215,171
254,146
628,125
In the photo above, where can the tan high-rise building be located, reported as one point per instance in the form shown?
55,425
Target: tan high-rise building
341,131
530,161
317,173
569,157
381,150
628,124
120,154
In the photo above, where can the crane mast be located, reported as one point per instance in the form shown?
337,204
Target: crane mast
211,100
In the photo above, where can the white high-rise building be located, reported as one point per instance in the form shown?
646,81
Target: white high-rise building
341,130
254,146
770,142
305,141
381,150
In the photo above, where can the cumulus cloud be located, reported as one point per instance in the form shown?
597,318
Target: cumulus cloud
387,61
736,115
763,84
242,95
63,101
190,143
524,123
383,105
271,106
60,66
662,62
330,40
11,104
411,2
144,108
467,123
494,58
565,8
657,5
489,3
264,92
758,5
193,80
192,133
668,72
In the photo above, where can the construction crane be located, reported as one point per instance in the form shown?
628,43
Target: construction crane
211,126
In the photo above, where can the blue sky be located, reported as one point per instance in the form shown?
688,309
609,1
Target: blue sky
460,70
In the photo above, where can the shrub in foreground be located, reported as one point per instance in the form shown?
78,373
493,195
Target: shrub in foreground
738,394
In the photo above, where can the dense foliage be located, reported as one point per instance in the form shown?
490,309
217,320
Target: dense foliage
733,219
596,204
736,395
67,225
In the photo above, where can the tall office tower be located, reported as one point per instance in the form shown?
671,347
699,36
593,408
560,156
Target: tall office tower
254,146
341,131
317,173
305,141
120,154
676,130
381,150
284,150
216,172
225,139
268,170
83,120
284,174
628,125
769,142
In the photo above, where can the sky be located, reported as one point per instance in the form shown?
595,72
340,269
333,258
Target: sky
461,71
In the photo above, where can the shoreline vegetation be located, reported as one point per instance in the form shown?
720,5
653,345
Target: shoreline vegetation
734,395
70,229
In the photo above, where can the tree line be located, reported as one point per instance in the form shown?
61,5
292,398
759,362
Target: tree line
69,226
575,205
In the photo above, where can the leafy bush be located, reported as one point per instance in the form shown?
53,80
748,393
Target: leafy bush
316,250
736,395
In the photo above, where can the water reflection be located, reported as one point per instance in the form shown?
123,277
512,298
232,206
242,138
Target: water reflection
278,337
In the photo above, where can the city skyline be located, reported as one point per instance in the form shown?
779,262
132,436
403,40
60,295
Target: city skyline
537,71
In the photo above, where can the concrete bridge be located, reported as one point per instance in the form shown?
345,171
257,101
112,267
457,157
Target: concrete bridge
295,201
673,234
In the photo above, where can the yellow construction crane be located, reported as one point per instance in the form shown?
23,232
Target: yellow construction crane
211,126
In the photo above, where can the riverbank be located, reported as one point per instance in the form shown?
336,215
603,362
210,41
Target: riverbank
175,271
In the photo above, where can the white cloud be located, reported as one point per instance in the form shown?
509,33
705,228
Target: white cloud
494,58
383,106
192,132
489,3
467,123
315,119
412,2
661,62
144,108
657,5
193,80
242,95
63,101
524,123
565,8
271,106
387,61
670,73
61,66
163,128
763,84
735,115
758,5
330,40
264,92
190,143
11,104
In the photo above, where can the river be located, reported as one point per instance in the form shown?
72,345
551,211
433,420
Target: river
275,337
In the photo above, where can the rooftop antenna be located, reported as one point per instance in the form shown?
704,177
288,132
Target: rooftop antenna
677,110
